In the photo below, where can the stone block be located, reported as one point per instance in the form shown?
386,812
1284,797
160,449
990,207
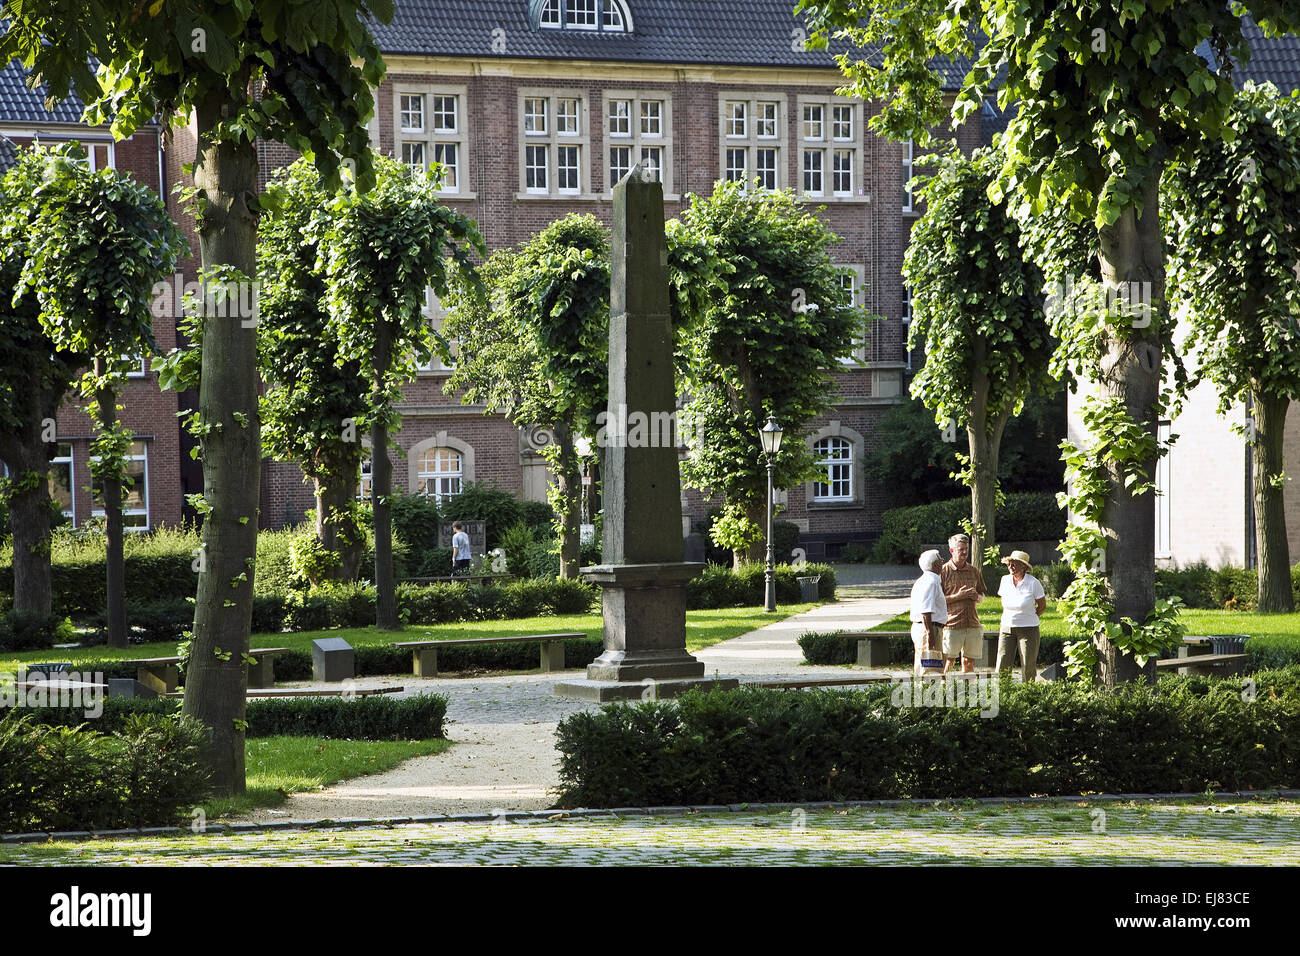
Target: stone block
332,660
873,652
552,655
129,687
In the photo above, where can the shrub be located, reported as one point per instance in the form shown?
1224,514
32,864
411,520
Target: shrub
22,631
149,622
538,517
269,611
306,611
1026,516
785,538
516,541
480,501
1274,650
828,647
1235,588
854,553
348,605
434,563
1056,578
543,558
753,745
720,587
147,773
416,519
275,573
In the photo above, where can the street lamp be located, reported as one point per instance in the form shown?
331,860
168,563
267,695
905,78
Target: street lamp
770,436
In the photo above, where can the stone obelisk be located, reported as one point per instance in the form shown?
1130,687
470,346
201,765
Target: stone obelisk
644,578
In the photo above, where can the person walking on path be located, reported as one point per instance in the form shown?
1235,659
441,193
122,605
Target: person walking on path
963,587
1023,600
460,551
929,608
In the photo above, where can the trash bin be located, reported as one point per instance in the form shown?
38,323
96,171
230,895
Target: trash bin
1228,643
808,589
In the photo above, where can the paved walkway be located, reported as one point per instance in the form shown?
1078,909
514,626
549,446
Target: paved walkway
504,727
1165,833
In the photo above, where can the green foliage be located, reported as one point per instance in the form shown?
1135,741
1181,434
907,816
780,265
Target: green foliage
484,501
720,587
854,554
516,541
747,268
1057,577
905,532
415,521
22,631
148,772
773,745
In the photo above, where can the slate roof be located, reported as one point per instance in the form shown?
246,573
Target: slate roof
1271,59
18,104
8,154
716,32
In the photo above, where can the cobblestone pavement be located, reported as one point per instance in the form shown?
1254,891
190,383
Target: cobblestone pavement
1170,833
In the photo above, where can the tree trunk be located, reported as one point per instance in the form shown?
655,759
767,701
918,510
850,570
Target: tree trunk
985,439
29,506
381,488
336,529
1270,516
1132,251
115,573
568,481
232,455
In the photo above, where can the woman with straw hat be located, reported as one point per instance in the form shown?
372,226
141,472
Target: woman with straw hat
1023,599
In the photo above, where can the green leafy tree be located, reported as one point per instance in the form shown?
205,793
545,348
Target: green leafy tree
535,347
95,243
300,74
763,319
380,252
34,377
316,404
1233,270
1107,92
977,313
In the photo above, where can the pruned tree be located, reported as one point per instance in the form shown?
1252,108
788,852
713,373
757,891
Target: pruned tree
95,245
977,312
1106,93
1234,272
300,74
379,253
535,348
763,320
316,402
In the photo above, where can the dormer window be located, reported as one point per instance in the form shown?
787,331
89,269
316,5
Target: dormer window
606,16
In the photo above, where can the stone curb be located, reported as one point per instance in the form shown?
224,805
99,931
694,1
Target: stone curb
542,816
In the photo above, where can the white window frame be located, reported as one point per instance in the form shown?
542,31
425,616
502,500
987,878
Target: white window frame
857,275
435,314
550,140
636,139
128,512
907,322
423,477
909,170
70,460
366,479
818,138
611,16
821,460
431,139
755,133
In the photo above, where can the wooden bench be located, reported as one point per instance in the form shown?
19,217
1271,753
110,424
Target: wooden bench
809,682
424,654
162,674
1208,664
309,692
873,646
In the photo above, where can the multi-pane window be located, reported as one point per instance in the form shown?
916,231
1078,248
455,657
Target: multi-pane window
365,483
831,148
640,131
908,173
135,490
907,320
96,155
61,481
582,14
431,131
439,474
610,16
554,140
753,139
852,279
434,314
835,460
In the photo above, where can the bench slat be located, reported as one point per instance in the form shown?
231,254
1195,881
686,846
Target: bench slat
461,642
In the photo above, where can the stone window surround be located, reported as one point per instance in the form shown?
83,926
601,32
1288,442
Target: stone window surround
440,440
859,287
434,314
636,140
751,141
552,140
828,145
857,446
429,137
97,511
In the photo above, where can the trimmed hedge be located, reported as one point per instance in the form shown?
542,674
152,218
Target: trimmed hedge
720,587
753,745
1026,516
378,717
832,647
147,772
78,586
20,631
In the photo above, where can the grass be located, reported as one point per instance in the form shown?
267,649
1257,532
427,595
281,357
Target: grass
278,766
703,628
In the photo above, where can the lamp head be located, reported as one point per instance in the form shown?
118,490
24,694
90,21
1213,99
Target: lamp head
770,436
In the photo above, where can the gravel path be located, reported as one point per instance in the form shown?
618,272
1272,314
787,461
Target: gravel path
504,727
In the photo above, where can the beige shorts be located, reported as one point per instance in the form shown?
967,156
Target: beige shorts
965,642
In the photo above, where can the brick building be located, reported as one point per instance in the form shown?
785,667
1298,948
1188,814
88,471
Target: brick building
534,108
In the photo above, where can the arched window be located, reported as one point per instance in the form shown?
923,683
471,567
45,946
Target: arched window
439,472
608,16
834,457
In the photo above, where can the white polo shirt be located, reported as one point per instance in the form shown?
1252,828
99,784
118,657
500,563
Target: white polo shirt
927,595
1019,601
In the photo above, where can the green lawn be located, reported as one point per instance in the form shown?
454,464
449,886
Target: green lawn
275,767
1052,624
703,628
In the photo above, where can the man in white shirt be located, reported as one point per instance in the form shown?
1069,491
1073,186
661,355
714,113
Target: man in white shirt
460,552
929,606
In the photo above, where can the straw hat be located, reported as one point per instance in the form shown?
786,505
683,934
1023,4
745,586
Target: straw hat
1020,556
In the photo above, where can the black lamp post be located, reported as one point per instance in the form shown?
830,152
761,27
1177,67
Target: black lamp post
770,436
